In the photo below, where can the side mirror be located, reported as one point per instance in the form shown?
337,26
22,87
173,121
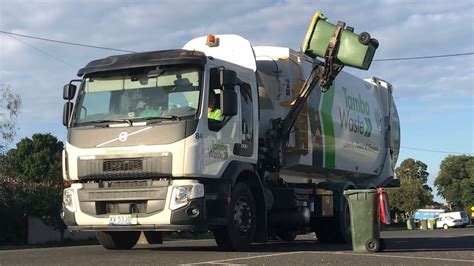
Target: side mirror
214,78
69,91
67,111
222,78
229,102
228,78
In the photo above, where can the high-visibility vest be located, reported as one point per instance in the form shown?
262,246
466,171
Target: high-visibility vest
215,114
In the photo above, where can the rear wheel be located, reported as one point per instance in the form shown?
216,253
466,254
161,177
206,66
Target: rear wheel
445,226
118,240
343,234
338,228
239,232
323,230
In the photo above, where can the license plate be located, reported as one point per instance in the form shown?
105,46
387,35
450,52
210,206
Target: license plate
120,220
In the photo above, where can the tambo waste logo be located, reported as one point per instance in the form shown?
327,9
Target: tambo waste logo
355,117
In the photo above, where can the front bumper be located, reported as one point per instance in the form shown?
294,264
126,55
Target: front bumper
199,214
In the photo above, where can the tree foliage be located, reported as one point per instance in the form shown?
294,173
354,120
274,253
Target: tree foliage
455,181
31,182
37,159
411,195
413,192
10,104
412,169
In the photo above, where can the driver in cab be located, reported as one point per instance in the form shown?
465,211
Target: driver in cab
213,112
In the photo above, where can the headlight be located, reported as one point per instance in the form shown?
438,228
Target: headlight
68,200
182,194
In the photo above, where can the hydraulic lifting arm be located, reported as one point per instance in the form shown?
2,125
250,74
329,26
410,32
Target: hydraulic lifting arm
322,73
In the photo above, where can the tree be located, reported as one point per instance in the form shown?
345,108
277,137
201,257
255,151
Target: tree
455,181
10,104
413,192
411,195
33,170
413,170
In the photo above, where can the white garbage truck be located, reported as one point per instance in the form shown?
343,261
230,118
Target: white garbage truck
248,142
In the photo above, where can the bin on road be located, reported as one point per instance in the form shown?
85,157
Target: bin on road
423,224
365,221
431,223
410,224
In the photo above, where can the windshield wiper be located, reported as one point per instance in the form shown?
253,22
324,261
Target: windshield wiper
158,118
108,121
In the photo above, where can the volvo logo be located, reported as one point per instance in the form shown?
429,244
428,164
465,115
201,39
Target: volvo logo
123,136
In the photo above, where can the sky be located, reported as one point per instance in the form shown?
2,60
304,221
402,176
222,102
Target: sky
434,97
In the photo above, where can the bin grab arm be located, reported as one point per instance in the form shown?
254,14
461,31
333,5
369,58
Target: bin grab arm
324,73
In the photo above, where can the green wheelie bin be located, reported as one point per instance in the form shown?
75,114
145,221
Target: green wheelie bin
365,220
431,223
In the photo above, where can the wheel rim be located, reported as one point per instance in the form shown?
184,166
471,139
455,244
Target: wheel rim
242,216
371,245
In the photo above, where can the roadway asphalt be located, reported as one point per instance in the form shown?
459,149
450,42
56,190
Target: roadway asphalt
432,247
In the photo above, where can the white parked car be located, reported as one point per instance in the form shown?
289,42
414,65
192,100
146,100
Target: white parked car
452,219
458,215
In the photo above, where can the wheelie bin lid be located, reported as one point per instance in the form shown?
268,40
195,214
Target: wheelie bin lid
357,191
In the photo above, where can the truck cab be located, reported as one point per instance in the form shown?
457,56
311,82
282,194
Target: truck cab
141,153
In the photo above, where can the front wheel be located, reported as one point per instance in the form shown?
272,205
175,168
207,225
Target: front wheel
239,232
153,237
118,240
445,226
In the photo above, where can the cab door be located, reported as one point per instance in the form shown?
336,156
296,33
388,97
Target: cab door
220,136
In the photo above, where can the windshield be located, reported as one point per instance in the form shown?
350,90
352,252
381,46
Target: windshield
161,93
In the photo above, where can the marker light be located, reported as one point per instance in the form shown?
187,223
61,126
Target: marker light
212,41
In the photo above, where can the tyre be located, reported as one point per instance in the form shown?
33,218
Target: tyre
287,235
445,226
323,230
364,38
372,245
240,230
338,228
153,237
118,240
342,224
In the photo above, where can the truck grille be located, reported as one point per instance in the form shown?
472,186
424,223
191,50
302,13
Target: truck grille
124,195
128,184
122,165
108,167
